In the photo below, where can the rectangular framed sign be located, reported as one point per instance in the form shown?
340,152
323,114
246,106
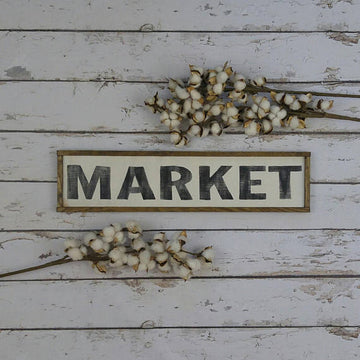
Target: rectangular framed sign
183,181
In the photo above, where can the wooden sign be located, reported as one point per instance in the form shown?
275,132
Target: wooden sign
183,181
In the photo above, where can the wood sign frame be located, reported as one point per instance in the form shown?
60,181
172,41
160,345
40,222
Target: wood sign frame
67,204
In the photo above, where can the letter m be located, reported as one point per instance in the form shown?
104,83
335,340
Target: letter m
75,173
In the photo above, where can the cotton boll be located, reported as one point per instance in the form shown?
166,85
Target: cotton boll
107,239
215,128
196,69
296,105
195,79
175,137
106,247
89,236
282,114
217,89
221,77
132,260
119,237
184,272
195,95
97,245
274,109
75,253
216,110
107,232
181,93
231,110
204,131
142,267
138,244
239,85
124,258
259,81
194,130
265,104
165,267
278,97
151,265
83,250
162,257
194,264
266,126
173,106
249,114
158,246
289,99
199,117
208,254
326,105
144,256
174,246
115,254
182,142
187,106
133,227
196,105
261,113
251,128
296,123
160,102
71,243
116,264
276,122
182,237
305,98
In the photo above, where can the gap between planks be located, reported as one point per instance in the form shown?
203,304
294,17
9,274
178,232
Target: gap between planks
180,327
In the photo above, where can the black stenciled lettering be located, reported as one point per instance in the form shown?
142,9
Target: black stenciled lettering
206,182
144,188
75,173
246,183
166,182
284,179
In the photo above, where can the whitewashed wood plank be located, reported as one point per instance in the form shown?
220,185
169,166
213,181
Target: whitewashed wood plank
156,56
32,206
118,107
170,302
171,15
32,156
191,344
238,253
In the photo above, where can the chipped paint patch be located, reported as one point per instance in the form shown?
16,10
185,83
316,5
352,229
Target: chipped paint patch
346,334
18,73
346,39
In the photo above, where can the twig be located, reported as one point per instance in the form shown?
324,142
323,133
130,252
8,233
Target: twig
63,260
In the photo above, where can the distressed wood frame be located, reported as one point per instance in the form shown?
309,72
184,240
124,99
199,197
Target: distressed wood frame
62,208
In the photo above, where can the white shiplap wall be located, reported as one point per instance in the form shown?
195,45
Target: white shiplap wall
73,75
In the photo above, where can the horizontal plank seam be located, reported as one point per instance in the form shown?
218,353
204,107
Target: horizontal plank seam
181,327
197,229
244,277
114,80
204,31
86,132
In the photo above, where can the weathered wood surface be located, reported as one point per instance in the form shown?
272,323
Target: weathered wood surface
32,206
134,56
238,253
330,343
336,157
150,41
259,15
203,302
118,107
